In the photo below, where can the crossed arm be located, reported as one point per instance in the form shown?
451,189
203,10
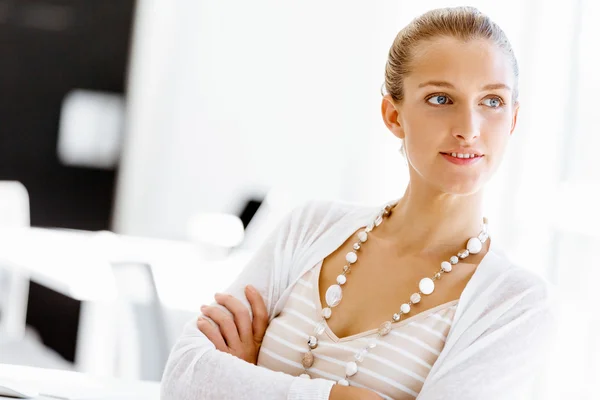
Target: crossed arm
241,335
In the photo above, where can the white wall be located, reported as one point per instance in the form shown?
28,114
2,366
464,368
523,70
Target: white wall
231,97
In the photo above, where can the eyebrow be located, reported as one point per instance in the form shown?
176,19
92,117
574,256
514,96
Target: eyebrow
491,86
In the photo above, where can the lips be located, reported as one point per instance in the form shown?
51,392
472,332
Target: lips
466,159
463,155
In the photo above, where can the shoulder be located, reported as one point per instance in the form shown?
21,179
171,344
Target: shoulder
329,211
315,217
319,225
522,286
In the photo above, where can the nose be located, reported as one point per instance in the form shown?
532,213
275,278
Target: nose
466,126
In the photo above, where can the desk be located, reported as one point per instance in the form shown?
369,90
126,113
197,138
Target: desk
74,385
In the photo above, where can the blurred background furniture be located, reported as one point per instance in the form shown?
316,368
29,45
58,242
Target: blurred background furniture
18,344
68,385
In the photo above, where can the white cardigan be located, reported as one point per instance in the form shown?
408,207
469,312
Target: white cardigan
501,329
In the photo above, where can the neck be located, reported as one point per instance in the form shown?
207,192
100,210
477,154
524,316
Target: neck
426,221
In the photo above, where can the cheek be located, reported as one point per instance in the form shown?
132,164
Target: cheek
423,128
495,131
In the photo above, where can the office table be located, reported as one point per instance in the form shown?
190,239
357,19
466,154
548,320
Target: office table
77,386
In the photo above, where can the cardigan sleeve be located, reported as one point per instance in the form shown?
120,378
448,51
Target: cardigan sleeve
196,370
498,356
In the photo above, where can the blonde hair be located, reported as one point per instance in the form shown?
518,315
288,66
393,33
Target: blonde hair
462,23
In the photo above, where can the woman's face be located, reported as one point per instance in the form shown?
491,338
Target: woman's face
458,100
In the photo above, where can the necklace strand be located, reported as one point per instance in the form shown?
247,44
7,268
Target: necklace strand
333,296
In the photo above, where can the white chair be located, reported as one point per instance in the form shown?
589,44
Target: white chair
18,345
14,283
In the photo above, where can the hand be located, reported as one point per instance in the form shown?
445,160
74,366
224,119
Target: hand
239,336
339,392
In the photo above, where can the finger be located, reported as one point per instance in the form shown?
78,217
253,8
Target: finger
241,315
212,333
225,322
260,314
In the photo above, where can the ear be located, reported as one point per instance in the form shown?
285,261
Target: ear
391,116
515,115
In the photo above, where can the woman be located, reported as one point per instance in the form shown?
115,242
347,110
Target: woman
409,300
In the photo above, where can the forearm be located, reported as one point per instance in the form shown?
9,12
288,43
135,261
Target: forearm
196,370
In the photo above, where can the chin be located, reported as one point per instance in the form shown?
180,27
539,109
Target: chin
463,187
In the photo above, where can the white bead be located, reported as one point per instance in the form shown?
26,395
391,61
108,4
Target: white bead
343,382
333,296
313,342
446,266
474,245
385,328
426,286
305,376
415,298
356,246
320,328
351,257
360,355
362,236
483,237
463,254
453,260
351,368
396,317
327,313
378,220
405,308
341,279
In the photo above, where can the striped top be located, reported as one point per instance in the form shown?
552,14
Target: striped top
395,369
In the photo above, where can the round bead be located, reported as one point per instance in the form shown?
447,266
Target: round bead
396,317
341,279
320,328
305,376
437,275
313,342
362,236
343,382
346,269
426,286
351,368
308,360
351,257
372,345
446,266
333,296
327,313
453,260
405,308
474,245
356,246
415,298
385,328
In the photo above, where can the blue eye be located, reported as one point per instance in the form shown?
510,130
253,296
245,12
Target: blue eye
494,102
439,99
